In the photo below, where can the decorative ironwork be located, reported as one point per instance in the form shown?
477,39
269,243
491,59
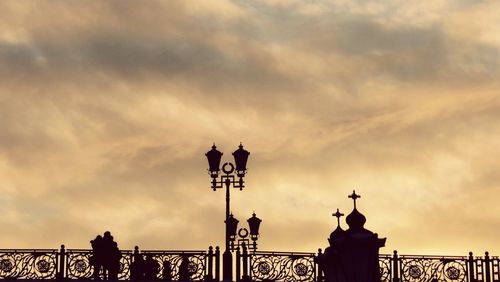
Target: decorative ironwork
196,266
28,264
431,268
266,266
79,266
261,266
385,264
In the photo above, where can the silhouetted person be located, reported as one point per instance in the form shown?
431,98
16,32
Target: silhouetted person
184,269
97,256
112,256
137,268
167,271
151,268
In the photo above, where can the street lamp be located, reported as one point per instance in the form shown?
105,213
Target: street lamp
242,237
233,176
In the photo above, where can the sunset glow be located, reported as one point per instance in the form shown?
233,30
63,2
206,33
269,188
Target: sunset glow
107,109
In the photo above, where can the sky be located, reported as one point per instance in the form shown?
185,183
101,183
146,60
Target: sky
107,109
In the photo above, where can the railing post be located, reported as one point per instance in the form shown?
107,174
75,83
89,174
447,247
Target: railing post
238,264
245,263
62,262
395,266
217,263
320,269
210,274
487,267
472,277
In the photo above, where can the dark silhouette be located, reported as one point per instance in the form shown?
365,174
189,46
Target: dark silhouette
353,255
151,268
96,260
106,255
184,269
167,271
136,268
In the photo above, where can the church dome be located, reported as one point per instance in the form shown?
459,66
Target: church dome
337,233
355,220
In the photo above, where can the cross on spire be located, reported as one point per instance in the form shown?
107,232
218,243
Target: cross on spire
338,214
354,196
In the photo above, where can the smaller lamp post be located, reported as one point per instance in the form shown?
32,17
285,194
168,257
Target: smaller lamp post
244,236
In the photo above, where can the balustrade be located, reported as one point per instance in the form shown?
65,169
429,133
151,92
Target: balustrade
74,264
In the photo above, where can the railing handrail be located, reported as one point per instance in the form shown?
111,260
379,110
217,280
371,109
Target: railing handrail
429,256
29,250
90,251
281,253
174,251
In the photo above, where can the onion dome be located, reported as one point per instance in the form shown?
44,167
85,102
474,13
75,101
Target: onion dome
338,232
355,220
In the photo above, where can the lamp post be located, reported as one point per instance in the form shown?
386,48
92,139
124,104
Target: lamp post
233,176
237,239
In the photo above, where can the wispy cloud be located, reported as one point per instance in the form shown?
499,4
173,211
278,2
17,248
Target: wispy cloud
107,109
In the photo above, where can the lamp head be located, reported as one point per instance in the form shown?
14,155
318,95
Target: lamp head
240,159
214,157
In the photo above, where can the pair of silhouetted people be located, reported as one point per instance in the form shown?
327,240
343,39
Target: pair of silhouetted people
144,269
106,256
149,268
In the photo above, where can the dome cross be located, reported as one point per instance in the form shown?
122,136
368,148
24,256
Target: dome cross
338,214
354,197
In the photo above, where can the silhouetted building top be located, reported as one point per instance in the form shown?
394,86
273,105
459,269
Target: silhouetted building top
353,254
338,232
356,222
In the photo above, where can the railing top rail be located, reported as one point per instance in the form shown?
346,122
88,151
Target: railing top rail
90,251
174,251
283,253
431,257
29,250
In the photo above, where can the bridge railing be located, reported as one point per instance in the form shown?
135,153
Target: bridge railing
76,264
277,266
29,264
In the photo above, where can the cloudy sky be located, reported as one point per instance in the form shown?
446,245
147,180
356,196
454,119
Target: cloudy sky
108,107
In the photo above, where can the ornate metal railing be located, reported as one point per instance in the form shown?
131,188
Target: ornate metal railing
413,268
282,266
78,265
170,262
386,268
74,264
29,264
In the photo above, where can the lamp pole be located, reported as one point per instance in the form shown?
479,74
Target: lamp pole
233,175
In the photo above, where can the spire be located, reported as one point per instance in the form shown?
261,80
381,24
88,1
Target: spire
338,232
355,219
338,215
354,197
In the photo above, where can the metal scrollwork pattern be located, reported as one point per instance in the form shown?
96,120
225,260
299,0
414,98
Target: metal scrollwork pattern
39,264
385,264
79,266
282,266
451,269
196,265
